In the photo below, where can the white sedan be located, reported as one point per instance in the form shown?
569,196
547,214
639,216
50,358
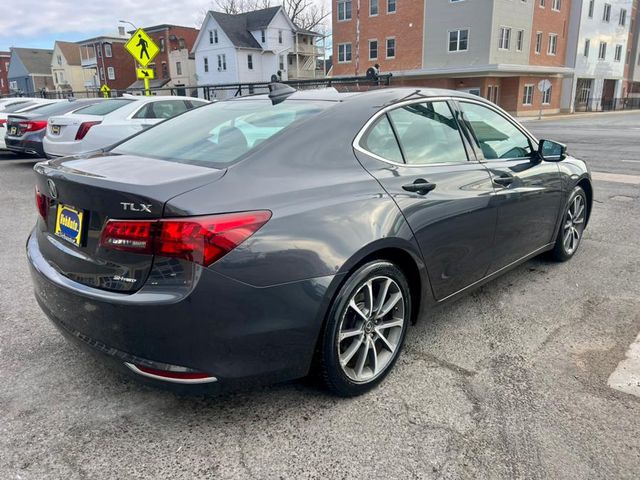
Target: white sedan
103,124
18,105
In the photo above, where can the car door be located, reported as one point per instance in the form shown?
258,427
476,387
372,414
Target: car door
528,191
418,154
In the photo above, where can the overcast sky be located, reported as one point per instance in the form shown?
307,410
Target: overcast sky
38,23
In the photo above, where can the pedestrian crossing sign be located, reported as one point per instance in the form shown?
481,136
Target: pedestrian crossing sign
142,47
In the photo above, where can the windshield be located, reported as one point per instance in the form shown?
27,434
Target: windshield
104,107
218,134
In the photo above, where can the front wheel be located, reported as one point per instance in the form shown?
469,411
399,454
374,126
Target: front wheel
572,226
365,329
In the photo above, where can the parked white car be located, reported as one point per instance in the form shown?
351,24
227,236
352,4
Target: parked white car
101,125
23,104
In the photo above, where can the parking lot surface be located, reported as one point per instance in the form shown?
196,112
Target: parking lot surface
509,382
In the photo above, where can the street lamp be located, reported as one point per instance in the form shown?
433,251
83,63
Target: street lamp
125,21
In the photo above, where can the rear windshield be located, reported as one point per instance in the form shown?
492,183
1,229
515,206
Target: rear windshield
218,134
18,106
59,107
104,107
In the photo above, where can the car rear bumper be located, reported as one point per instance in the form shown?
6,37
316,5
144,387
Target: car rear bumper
61,149
24,146
235,332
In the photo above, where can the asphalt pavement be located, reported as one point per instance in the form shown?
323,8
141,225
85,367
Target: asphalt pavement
508,382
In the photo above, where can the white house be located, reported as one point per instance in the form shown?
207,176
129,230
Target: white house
253,47
597,50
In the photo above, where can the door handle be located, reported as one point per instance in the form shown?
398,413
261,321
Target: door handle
503,180
420,186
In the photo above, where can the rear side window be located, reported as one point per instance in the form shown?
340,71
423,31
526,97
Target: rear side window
218,134
381,141
162,109
104,107
428,133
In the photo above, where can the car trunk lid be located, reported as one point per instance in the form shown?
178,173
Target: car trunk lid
63,128
81,195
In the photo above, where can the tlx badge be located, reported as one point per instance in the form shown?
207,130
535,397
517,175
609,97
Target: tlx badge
136,207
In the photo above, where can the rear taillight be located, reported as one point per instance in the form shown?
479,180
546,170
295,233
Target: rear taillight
84,129
3,121
201,240
42,202
32,126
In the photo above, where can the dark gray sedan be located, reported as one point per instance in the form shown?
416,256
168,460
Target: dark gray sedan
260,238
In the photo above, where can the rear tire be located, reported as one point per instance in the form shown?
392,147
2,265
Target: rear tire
365,329
572,226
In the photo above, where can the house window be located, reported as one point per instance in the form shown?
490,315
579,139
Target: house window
263,37
344,52
62,77
373,49
344,10
373,8
161,45
527,98
222,63
591,6
555,5
519,40
538,43
617,56
391,47
602,52
458,40
553,44
215,35
59,58
505,38
179,68
623,18
546,96
165,70
281,62
606,13
492,93
206,64
541,3
182,44
250,62
587,44
99,50
107,50
211,37
280,37
391,6
101,73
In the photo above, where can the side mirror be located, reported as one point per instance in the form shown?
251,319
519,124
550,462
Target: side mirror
551,151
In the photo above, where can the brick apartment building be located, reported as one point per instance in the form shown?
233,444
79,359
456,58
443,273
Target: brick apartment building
4,72
172,64
112,63
499,49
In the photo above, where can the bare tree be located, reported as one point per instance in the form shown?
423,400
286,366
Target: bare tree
306,14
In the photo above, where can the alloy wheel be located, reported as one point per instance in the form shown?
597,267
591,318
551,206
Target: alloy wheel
371,329
573,224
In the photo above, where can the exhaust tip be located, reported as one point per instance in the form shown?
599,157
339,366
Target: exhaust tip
177,375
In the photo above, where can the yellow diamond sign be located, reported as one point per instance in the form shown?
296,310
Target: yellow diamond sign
142,47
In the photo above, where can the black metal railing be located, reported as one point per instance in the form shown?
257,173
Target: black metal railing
607,104
221,91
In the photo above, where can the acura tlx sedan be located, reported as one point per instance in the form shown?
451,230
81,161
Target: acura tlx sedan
265,237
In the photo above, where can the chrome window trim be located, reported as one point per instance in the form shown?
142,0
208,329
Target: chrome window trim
356,142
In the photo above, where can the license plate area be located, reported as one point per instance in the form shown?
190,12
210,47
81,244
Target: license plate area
13,130
69,224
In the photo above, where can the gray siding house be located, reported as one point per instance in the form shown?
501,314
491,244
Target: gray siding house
30,70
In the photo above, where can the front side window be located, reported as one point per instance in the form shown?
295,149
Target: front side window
218,134
496,136
428,133
344,10
162,109
458,40
381,141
